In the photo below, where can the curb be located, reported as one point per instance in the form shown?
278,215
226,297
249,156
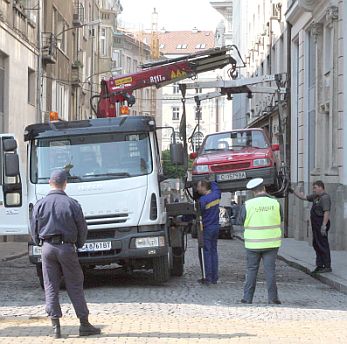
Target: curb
328,278
20,255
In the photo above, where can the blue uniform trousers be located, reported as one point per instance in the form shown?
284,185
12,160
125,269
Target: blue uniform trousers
58,261
211,254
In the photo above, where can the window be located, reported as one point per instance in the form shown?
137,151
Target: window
31,86
182,46
328,49
128,66
103,42
60,29
175,88
175,113
200,46
198,115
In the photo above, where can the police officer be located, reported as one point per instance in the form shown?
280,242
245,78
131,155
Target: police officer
261,217
58,224
209,206
320,223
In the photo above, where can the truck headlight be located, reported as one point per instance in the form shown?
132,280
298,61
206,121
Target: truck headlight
261,162
200,168
150,242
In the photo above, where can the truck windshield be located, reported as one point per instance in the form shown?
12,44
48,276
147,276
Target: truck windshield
235,140
92,157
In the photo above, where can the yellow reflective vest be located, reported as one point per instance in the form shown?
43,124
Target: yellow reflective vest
263,223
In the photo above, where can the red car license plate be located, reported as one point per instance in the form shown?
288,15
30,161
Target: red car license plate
225,177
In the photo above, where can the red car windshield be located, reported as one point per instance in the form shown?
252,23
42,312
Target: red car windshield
235,140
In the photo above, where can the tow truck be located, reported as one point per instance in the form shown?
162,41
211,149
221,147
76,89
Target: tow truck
114,171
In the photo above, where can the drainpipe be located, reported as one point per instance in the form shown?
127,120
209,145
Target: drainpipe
39,66
288,124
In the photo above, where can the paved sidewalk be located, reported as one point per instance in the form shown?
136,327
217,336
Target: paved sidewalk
301,255
12,250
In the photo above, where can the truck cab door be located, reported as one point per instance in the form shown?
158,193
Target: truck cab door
13,209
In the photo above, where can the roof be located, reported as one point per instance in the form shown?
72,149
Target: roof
92,126
183,42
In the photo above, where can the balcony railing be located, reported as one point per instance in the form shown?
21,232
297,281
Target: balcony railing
78,13
49,48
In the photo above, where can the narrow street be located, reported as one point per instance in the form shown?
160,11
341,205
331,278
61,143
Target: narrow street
131,309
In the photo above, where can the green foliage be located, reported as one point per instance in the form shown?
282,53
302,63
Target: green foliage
170,169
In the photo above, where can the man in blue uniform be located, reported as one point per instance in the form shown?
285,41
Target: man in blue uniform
209,206
58,224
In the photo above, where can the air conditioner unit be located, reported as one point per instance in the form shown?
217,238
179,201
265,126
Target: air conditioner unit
276,11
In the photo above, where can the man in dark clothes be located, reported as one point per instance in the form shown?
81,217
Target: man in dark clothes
209,206
320,222
58,224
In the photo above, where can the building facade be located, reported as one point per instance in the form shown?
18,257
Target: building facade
18,66
317,111
214,114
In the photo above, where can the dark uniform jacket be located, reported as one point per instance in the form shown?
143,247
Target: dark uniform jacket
209,205
58,214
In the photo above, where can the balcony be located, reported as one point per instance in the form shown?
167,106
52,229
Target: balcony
76,74
49,48
78,13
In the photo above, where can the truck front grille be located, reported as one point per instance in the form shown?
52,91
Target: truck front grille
109,219
230,167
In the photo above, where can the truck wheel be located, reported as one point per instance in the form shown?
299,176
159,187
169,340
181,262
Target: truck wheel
40,275
177,262
161,271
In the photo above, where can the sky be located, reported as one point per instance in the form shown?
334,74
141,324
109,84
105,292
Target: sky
172,14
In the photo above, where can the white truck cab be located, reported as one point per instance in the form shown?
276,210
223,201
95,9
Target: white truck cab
114,172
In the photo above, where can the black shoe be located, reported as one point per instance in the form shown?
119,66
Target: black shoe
87,329
245,301
55,329
275,302
204,281
317,270
325,270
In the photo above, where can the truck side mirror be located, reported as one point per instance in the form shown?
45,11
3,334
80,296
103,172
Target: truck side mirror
12,186
177,153
11,165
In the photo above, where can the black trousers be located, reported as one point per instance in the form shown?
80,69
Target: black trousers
320,243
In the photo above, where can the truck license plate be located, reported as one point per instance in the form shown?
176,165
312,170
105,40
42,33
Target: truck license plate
96,246
231,176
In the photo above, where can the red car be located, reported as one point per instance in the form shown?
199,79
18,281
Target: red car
235,157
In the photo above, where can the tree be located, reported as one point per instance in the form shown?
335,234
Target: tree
171,170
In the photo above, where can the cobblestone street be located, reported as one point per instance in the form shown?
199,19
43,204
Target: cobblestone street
131,309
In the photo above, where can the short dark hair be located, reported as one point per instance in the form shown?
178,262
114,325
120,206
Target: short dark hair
205,183
319,183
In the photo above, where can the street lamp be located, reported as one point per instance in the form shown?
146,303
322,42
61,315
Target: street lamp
92,23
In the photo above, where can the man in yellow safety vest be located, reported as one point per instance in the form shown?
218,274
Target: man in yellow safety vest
262,218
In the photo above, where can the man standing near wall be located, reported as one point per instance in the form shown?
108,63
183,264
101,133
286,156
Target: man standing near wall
320,222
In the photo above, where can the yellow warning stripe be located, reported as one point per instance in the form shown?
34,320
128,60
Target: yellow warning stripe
212,204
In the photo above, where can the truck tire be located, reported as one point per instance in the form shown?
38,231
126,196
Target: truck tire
177,262
161,270
40,275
